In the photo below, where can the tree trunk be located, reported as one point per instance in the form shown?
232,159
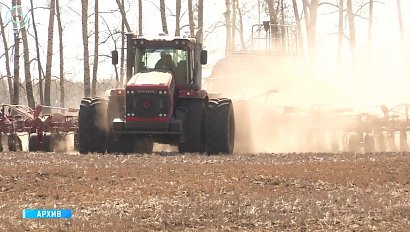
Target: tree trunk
228,27
191,19
7,58
16,79
306,12
400,18
201,20
84,23
122,62
241,34
177,17
352,31
340,42
233,28
298,27
123,15
163,16
140,17
95,62
40,75
369,35
60,41
27,76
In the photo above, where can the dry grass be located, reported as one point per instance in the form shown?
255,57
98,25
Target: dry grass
264,192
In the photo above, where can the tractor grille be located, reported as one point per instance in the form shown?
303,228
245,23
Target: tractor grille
147,105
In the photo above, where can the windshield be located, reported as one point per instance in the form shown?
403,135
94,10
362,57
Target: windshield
171,59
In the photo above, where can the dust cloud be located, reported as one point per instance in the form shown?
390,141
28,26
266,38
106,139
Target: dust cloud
282,105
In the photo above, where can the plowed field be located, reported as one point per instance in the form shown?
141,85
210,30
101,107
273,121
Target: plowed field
173,192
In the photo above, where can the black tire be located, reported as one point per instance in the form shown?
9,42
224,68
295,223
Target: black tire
115,110
220,127
354,142
33,143
14,143
193,126
369,143
92,125
48,143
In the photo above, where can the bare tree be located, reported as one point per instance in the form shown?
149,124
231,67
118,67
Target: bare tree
340,37
27,76
241,34
40,76
140,17
298,25
95,62
124,15
16,79
369,36
122,62
60,42
84,23
201,19
352,31
7,58
228,27
177,17
191,19
163,16
233,25
400,18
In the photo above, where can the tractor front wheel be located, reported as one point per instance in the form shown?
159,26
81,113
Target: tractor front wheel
193,126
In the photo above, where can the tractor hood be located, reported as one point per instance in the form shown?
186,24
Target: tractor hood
151,80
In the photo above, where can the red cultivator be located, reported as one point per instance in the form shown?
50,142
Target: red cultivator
23,128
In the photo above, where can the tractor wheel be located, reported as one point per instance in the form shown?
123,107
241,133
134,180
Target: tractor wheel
354,142
369,143
143,145
193,126
92,126
33,143
48,143
124,145
220,127
14,143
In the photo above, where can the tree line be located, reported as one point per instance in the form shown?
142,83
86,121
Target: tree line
302,13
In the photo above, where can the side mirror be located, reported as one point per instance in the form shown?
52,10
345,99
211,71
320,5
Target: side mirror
114,57
204,57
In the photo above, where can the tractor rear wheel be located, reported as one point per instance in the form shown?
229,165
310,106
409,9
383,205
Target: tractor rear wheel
92,125
193,126
220,127
48,143
33,142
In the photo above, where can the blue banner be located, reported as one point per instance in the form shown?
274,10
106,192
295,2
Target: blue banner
47,213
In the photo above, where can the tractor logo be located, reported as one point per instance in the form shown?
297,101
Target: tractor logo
146,104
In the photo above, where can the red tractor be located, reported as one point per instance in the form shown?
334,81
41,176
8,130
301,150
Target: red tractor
162,102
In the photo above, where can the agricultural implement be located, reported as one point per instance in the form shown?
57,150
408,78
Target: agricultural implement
163,101
23,128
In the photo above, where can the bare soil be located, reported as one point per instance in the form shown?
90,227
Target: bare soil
173,192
